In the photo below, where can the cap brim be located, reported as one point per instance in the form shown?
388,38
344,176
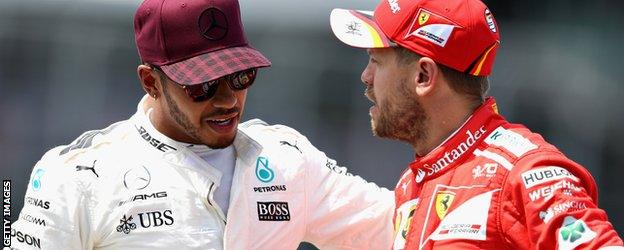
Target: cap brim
215,64
357,28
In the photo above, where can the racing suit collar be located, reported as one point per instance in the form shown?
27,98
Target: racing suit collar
459,145
247,149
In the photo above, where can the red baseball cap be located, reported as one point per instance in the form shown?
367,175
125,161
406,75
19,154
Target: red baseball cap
460,34
194,41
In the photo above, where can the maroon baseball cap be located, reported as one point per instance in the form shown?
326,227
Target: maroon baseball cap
194,41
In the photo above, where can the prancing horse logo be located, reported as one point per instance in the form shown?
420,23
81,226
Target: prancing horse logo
213,24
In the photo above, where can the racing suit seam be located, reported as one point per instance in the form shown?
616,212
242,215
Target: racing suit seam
499,212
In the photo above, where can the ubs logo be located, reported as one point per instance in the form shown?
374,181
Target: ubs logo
146,220
213,24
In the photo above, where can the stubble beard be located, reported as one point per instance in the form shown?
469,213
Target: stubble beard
401,117
192,131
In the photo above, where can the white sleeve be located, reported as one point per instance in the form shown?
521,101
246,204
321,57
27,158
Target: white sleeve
54,210
344,211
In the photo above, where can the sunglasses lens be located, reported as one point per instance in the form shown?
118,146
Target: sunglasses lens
237,81
202,92
243,79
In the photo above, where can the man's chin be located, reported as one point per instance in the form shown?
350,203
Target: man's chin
220,142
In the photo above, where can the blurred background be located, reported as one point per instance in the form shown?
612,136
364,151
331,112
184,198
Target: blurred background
69,66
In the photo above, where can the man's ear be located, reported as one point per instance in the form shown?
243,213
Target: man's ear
149,78
427,74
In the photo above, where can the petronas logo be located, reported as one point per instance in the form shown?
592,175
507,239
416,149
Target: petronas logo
263,172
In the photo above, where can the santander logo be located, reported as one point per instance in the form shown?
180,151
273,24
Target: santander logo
450,156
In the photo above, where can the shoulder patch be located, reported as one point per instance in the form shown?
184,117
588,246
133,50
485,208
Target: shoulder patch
511,141
541,175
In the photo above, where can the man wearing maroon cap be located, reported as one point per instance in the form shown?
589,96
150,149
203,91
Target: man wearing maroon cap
477,181
182,173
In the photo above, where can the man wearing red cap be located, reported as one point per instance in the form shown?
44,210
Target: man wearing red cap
478,181
182,173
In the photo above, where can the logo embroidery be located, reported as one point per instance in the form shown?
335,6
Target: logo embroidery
126,225
489,19
213,24
573,233
137,178
423,17
36,182
92,168
443,202
273,211
263,172
487,170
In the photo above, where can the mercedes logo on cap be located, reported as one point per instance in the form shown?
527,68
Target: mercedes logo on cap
137,178
213,24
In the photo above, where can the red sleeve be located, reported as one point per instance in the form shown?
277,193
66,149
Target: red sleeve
552,204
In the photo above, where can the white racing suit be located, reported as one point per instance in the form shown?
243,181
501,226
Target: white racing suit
130,187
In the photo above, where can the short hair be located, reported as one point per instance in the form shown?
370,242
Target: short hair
473,86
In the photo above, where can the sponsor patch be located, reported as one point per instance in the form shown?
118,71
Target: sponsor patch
275,188
567,206
36,180
450,156
146,220
157,144
394,6
37,202
573,233
26,238
467,221
273,211
142,197
538,176
487,170
333,166
489,19
432,27
511,141
263,172
403,221
567,188
137,178
33,220
443,202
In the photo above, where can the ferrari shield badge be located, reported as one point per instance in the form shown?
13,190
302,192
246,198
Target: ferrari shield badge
443,202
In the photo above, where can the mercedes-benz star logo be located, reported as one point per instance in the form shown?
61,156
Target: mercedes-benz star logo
213,24
137,178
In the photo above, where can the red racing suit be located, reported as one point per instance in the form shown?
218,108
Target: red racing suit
497,185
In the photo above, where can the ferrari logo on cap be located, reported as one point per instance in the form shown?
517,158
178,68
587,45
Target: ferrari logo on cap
443,202
423,17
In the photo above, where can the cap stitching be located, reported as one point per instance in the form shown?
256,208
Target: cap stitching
162,33
469,29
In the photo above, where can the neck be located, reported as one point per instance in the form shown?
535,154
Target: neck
160,122
444,118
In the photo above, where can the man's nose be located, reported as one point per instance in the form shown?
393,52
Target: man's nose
367,76
225,96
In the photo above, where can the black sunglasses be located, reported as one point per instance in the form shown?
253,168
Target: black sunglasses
204,91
